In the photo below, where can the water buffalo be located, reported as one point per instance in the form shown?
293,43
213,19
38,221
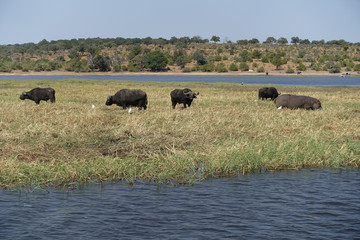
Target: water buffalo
38,94
184,96
294,101
128,97
268,92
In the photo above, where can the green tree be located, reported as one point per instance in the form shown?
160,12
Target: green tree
134,51
256,54
156,61
254,41
270,40
215,39
199,57
102,63
295,40
282,40
136,64
180,58
277,61
245,56
304,41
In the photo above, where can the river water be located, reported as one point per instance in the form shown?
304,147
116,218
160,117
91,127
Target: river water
306,204
299,81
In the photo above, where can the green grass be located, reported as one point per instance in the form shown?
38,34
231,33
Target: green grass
226,132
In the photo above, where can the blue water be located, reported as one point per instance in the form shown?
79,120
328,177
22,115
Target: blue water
307,204
299,81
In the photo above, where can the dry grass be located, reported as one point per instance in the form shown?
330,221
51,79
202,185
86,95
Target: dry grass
226,132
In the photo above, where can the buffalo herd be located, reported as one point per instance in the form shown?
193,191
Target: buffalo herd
137,98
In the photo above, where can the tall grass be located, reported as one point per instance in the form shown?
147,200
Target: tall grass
226,132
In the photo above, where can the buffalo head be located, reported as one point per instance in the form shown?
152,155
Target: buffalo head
317,105
109,101
24,96
190,94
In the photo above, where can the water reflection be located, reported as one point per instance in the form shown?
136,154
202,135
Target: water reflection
309,204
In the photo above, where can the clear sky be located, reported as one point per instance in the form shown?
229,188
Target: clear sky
23,21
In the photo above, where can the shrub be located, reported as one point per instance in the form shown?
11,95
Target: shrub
261,70
357,68
265,59
76,65
316,67
335,69
217,58
186,70
117,68
244,67
221,68
233,67
209,67
301,67
290,70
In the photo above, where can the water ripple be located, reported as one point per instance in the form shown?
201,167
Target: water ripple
310,204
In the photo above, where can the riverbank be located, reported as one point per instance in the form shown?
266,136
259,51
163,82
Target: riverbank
226,132
171,73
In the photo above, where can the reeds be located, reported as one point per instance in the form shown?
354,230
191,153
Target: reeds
226,132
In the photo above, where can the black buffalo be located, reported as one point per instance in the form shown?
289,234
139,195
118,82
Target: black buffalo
38,94
268,92
184,96
294,101
128,97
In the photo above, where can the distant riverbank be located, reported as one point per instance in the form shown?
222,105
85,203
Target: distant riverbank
171,73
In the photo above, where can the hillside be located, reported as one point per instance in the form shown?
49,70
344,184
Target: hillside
181,55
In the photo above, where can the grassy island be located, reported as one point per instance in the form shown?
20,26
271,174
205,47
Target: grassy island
226,132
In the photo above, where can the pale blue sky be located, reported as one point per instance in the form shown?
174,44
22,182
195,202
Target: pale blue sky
23,21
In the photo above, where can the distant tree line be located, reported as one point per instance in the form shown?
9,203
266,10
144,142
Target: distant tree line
190,54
